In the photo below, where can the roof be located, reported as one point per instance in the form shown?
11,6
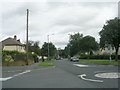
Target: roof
10,41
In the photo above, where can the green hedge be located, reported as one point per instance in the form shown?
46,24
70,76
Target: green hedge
10,52
22,57
98,57
16,55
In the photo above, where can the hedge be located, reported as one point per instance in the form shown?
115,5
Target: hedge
11,52
16,55
98,57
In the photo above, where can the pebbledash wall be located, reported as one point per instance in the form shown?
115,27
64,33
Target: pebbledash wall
107,51
14,47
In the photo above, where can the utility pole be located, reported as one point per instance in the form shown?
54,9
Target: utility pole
27,38
48,46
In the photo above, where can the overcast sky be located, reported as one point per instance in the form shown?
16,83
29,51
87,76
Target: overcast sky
59,18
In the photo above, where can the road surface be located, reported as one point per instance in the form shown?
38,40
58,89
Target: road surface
64,74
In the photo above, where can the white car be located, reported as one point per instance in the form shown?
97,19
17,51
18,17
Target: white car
74,59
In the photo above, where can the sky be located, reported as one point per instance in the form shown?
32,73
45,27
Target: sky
57,19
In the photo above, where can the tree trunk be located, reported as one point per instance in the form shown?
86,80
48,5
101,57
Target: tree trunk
116,53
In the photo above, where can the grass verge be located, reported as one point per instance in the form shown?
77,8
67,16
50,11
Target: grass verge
46,63
103,62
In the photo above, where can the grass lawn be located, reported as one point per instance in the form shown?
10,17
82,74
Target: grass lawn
47,63
103,62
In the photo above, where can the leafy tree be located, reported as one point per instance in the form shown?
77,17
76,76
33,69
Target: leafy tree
110,34
74,44
88,44
61,52
30,46
44,49
67,51
34,47
79,44
52,50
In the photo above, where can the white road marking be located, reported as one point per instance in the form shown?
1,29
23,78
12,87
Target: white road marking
99,72
84,75
108,75
22,73
12,71
31,70
81,65
4,79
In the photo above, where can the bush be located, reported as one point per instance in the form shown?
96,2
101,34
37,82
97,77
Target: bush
10,52
98,57
8,58
35,57
15,56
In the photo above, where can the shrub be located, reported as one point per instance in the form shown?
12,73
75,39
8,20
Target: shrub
98,57
11,52
35,57
15,56
8,58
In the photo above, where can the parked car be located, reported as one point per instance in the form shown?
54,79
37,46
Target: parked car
58,58
74,59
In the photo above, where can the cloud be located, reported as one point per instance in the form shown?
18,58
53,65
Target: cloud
60,44
60,18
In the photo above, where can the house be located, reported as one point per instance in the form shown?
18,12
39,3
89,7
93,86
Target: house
106,51
109,51
12,44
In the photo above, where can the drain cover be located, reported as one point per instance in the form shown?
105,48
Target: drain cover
108,75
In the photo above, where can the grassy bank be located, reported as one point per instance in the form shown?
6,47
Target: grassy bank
47,63
103,62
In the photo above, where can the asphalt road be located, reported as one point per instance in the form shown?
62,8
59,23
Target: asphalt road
63,75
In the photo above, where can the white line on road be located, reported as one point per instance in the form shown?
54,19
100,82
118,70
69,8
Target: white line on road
81,65
84,75
31,69
4,79
12,71
22,73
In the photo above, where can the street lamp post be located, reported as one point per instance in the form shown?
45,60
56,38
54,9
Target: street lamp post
110,50
69,48
48,46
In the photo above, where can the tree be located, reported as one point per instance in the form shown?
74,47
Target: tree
67,51
30,46
36,48
74,44
33,46
80,44
110,34
52,50
88,44
61,52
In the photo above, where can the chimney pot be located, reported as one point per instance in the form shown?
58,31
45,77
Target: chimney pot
15,37
18,40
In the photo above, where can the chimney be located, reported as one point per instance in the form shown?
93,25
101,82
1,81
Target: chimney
15,37
18,40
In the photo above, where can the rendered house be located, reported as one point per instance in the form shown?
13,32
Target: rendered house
12,44
106,51
109,51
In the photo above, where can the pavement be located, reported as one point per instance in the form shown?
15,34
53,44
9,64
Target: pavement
64,74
